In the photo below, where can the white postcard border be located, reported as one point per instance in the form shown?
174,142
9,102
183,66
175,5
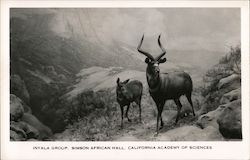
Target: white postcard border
220,150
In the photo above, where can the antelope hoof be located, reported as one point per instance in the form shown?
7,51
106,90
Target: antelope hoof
160,127
129,120
194,114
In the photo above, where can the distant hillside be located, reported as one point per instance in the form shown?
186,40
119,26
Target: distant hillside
98,78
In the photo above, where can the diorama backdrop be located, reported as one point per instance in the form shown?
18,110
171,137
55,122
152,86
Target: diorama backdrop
64,63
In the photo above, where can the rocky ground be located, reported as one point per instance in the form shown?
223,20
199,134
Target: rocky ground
23,124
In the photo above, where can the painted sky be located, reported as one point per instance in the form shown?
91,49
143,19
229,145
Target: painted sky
181,29
202,30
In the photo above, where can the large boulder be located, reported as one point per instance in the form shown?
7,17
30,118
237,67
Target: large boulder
16,108
19,134
18,87
210,118
26,108
44,131
15,136
230,121
229,83
231,96
27,130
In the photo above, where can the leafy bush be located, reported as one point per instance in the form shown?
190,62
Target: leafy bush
232,61
92,116
89,101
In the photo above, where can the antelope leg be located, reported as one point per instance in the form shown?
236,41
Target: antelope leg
160,108
140,112
157,129
121,116
178,103
138,102
162,124
127,112
190,101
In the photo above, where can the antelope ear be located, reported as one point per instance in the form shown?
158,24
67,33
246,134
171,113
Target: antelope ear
118,80
162,60
126,81
147,60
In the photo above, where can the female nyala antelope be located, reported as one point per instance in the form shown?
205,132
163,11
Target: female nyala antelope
166,86
128,92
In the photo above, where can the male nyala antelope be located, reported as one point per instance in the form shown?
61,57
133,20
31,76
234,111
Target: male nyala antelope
128,92
165,86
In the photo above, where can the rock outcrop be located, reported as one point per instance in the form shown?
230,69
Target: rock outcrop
24,125
231,96
229,83
230,121
44,132
18,87
16,108
210,118
226,118
16,136
25,130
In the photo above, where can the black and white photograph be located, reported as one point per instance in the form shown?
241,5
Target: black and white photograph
124,80
125,74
